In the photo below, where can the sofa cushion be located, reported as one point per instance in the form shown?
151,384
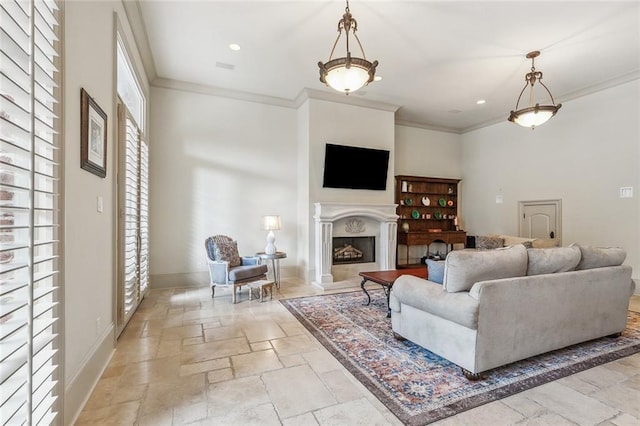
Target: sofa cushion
545,243
242,273
463,268
510,240
436,270
552,260
489,242
599,257
227,252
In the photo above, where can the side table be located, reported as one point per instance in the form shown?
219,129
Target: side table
275,263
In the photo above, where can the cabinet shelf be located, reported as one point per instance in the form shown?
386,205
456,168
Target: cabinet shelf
420,231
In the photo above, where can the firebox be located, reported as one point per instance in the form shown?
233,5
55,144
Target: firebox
354,250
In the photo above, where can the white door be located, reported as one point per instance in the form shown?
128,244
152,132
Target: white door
540,219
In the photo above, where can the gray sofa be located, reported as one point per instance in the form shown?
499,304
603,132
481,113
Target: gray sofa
500,306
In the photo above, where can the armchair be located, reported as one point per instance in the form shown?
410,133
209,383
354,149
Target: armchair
227,268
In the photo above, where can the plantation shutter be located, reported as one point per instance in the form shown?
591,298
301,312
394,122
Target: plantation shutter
29,214
143,192
131,218
134,216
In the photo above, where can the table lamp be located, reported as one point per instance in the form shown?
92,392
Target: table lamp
269,223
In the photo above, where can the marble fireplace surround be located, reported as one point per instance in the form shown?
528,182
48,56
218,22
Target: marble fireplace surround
328,214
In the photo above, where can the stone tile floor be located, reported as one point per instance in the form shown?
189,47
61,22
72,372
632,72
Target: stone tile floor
188,359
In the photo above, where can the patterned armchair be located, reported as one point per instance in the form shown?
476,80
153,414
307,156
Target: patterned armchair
227,268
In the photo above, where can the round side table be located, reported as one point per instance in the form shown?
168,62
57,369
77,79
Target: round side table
275,263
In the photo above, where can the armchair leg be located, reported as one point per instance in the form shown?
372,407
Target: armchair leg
213,291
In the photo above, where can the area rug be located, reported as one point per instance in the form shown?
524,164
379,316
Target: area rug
420,387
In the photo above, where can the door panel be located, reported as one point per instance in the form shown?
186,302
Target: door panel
540,219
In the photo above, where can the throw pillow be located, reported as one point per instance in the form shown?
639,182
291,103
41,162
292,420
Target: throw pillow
599,257
436,270
552,260
486,242
528,244
464,268
228,252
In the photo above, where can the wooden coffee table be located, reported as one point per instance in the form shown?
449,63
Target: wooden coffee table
386,280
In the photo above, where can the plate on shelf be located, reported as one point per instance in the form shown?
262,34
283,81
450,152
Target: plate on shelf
450,203
415,214
426,201
442,202
408,201
437,215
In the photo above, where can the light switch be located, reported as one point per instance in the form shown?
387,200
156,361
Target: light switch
626,192
499,199
100,204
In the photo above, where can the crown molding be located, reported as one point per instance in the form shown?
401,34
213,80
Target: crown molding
203,89
603,85
139,30
307,93
427,126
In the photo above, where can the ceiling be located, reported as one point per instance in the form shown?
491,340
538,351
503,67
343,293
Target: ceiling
437,58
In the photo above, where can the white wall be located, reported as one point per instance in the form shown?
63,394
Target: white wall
217,166
423,152
582,156
89,275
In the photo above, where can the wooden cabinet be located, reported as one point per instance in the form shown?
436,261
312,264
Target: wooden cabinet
428,210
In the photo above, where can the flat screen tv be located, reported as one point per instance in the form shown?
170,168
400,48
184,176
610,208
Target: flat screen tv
355,167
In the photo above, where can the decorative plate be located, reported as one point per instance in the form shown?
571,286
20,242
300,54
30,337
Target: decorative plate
442,202
415,214
437,215
408,201
450,203
426,201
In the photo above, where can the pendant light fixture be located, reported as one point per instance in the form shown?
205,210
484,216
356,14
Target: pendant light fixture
535,114
347,74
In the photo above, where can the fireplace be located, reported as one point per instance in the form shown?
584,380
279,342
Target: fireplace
376,220
354,250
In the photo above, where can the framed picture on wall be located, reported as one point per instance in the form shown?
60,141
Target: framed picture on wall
93,136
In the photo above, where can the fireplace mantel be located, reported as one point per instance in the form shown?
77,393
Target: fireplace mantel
326,214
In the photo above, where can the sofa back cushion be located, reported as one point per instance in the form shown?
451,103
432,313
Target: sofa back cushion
599,257
552,260
463,268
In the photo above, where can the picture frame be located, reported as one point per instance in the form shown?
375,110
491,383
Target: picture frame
93,136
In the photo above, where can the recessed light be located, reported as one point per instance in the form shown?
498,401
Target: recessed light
234,46
481,102
377,78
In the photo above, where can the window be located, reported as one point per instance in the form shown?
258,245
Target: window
133,193
29,215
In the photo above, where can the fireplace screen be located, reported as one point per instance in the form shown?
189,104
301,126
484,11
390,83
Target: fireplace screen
354,250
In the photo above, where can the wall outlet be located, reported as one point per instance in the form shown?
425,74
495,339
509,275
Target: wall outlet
626,192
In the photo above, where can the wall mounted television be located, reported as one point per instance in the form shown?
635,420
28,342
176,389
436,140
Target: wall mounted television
355,167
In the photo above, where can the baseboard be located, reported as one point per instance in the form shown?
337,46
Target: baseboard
78,389
188,279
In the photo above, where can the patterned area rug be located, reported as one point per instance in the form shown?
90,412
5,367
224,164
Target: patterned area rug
420,387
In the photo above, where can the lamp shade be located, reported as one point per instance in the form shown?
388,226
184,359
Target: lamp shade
271,222
347,79
534,116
